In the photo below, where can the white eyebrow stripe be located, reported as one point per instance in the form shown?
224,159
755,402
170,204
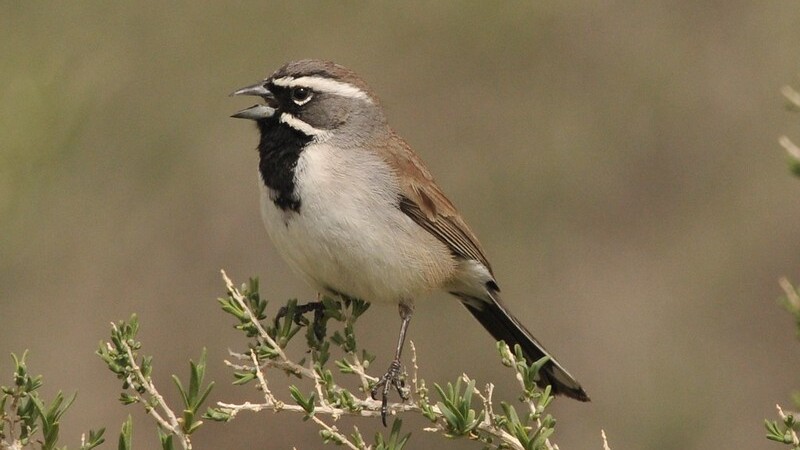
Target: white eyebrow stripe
322,84
299,125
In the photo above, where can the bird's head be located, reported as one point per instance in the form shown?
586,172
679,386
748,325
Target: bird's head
317,98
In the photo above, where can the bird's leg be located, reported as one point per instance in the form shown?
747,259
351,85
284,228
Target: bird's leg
319,327
392,376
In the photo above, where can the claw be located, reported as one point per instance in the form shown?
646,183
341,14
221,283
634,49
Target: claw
392,376
390,379
319,327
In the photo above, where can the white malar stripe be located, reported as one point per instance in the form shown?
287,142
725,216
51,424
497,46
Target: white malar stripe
299,125
326,85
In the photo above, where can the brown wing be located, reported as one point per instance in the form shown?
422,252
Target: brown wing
426,204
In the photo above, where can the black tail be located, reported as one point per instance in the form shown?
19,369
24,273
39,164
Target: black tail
503,326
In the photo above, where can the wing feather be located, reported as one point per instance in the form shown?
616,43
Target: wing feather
425,203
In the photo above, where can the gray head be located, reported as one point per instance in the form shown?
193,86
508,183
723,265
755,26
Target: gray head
320,99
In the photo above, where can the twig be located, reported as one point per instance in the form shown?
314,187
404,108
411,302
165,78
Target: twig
791,148
14,445
270,399
792,95
605,441
531,404
488,425
419,384
368,408
488,409
791,294
795,440
362,406
358,368
283,361
171,423
261,380
342,439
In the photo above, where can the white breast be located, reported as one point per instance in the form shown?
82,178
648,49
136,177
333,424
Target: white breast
349,235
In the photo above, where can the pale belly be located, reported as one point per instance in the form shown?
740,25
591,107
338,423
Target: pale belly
349,236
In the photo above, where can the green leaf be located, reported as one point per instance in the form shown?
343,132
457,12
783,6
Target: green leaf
395,441
264,352
127,399
50,417
427,411
321,353
346,400
307,404
359,307
146,366
181,390
330,437
197,374
332,309
165,439
357,438
199,401
366,358
188,421
344,366
95,439
243,377
456,408
126,435
218,415
794,166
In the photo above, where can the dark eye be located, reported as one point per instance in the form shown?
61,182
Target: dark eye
300,95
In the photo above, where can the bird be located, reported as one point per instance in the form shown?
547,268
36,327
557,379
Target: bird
355,212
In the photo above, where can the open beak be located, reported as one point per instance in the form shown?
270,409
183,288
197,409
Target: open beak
256,112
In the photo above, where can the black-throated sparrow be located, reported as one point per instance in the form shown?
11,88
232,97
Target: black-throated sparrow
352,208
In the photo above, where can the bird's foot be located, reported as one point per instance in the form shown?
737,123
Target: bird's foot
392,378
300,310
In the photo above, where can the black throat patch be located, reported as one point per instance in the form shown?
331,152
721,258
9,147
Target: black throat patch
279,150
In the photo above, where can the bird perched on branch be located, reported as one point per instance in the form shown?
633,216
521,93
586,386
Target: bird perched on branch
354,210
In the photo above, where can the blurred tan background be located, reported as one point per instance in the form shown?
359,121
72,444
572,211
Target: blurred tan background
617,159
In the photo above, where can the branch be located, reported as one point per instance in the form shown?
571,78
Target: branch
120,355
283,363
137,377
453,416
605,441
